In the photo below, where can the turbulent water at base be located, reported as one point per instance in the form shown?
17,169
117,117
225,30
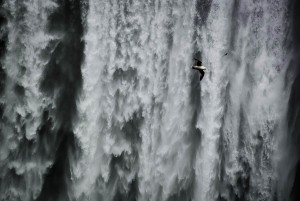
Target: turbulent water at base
98,100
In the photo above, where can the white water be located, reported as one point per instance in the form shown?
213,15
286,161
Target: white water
24,103
155,83
159,77
145,125
254,72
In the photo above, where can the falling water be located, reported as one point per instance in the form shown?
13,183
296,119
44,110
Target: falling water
98,100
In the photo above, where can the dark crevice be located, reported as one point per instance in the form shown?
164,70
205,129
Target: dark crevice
185,194
58,177
62,80
202,12
234,24
3,44
124,164
294,103
4,178
127,75
223,150
131,195
240,189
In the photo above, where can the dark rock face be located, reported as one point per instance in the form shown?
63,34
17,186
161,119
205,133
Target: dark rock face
294,102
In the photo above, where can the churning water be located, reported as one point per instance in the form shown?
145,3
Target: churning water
99,102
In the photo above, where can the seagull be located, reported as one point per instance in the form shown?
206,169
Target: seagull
198,66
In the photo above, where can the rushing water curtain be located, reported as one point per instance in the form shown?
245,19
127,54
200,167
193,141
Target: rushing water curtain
98,100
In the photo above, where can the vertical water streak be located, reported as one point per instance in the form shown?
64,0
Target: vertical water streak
212,45
22,104
62,82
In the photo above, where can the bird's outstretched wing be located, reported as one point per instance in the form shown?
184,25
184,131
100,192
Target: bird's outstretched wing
198,62
201,74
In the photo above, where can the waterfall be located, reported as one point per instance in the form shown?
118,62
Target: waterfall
98,100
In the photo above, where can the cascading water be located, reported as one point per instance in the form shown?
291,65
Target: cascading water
99,101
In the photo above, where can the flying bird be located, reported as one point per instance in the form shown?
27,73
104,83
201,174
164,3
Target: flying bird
198,66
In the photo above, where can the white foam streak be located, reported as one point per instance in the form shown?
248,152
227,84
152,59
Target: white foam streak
24,103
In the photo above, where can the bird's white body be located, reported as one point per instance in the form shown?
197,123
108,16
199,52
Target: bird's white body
199,67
